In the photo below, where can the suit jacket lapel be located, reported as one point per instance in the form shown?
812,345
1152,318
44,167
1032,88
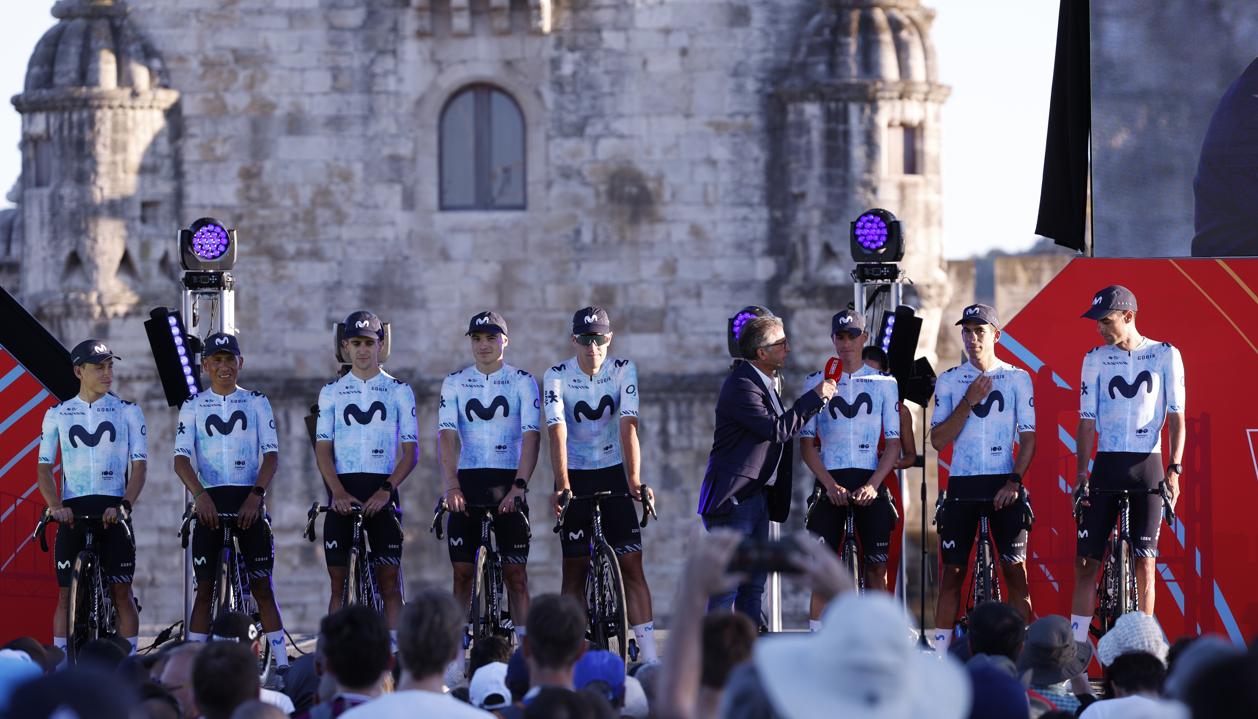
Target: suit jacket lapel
755,376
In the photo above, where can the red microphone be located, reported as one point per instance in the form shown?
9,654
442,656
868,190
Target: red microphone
834,369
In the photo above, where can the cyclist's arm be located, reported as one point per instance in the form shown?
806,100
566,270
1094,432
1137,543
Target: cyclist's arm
631,452
325,459
407,457
408,434
266,471
1085,441
908,441
1024,422
530,422
559,454
47,485
811,454
188,475
949,418
1177,425
448,457
886,463
268,443
48,444
1026,451
530,447
136,475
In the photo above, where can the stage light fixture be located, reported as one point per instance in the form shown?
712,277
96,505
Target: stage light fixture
877,237
207,246
735,327
174,352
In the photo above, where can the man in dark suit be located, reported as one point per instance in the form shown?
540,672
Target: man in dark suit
748,479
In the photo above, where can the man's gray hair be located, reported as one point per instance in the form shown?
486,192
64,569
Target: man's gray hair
430,632
755,334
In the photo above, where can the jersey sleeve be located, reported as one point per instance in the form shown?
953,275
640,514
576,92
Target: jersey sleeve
810,427
137,435
1024,409
629,390
325,425
48,438
1174,383
448,406
890,409
186,430
945,402
268,439
1087,386
552,397
408,415
530,404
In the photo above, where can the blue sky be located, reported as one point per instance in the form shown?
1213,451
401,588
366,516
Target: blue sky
996,55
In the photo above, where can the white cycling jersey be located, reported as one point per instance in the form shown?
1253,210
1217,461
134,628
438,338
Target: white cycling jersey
491,413
985,444
1130,393
366,421
98,441
226,435
865,407
591,407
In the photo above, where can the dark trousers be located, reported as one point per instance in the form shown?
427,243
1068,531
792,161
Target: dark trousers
751,519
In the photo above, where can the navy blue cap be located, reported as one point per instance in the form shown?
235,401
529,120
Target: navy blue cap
847,321
91,350
1111,299
980,313
591,321
363,324
487,322
220,342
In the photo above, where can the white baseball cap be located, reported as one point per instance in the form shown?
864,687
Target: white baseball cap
488,688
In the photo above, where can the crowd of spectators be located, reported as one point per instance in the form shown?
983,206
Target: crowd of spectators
863,662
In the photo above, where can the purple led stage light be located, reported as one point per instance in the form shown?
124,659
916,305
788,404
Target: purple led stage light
210,242
871,231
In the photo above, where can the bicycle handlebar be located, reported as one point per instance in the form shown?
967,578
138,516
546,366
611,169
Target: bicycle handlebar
316,509
40,532
1086,491
439,512
644,496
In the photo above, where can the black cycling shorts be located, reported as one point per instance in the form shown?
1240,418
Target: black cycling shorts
117,549
873,523
485,488
620,517
1122,470
960,520
256,543
384,529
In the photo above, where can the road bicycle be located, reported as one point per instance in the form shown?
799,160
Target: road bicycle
984,585
360,579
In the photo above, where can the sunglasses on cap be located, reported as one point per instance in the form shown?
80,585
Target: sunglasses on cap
592,339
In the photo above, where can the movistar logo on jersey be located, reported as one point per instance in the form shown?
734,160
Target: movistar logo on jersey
993,398
214,422
362,323
365,417
98,349
592,413
78,433
1129,390
221,341
589,319
838,405
482,320
474,407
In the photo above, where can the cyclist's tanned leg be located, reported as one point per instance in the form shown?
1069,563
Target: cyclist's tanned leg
202,600
1016,583
516,577
575,570
268,610
1087,570
637,593
876,576
1146,583
463,574
59,618
951,577
128,616
387,576
337,576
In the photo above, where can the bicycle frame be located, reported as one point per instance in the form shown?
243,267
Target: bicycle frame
97,616
984,576
360,580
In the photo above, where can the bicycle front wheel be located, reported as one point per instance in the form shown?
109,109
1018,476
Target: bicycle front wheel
851,563
352,592
81,624
1126,581
605,592
481,608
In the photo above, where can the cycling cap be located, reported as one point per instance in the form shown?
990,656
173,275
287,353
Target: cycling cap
600,665
91,350
221,342
847,321
488,321
363,324
1110,299
591,321
980,313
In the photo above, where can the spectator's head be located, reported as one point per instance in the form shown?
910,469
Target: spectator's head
602,671
517,675
556,633
861,663
16,668
258,709
430,633
176,676
1194,658
597,702
1229,689
76,693
996,694
224,676
157,703
556,703
996,629
1051,654
103,654
37,652
488,650
636,704
727,641
1135,673
488,688
236,627
758,337
301,683
356,649
157,660
1133,632
648,675
745,696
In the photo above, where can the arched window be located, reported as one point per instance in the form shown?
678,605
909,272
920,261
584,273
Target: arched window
482,151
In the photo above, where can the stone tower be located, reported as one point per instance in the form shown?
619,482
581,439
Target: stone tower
97,197
859,113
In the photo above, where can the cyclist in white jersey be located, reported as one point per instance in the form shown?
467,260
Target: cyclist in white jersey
226,454
104,459
366,443
488,438
1131,386
591,404
847,465
982,408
